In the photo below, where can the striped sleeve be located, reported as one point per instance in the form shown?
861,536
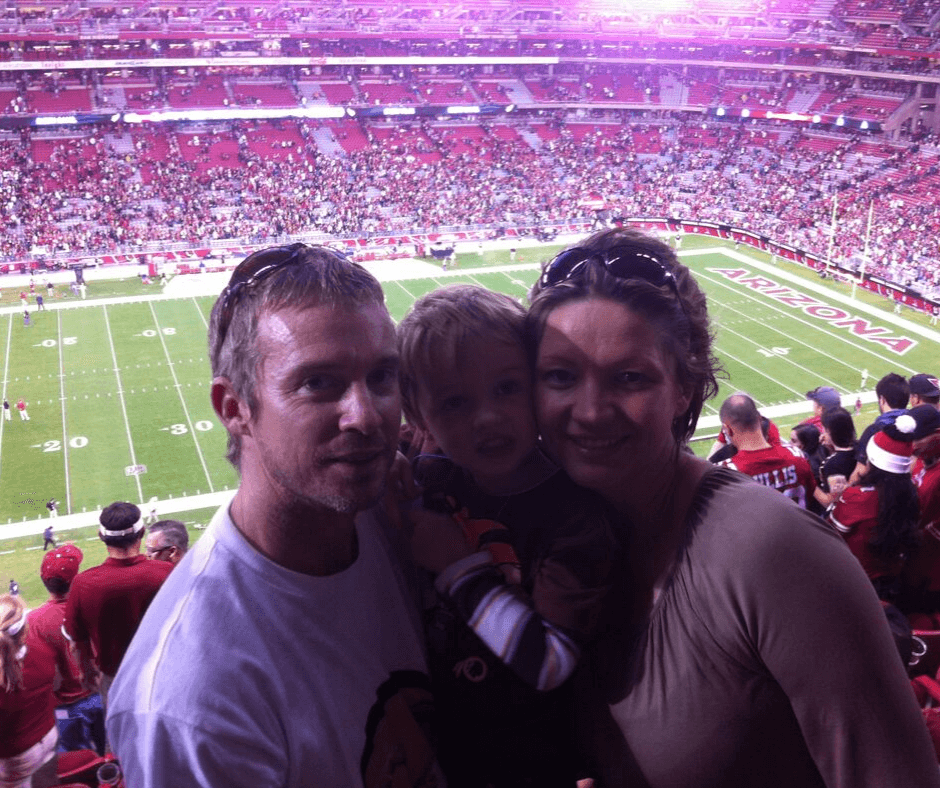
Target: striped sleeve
504,618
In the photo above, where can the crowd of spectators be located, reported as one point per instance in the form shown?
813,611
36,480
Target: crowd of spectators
112,192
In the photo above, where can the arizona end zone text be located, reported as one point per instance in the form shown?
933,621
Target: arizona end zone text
859,326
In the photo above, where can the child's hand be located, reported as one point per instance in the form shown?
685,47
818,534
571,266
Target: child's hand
437,541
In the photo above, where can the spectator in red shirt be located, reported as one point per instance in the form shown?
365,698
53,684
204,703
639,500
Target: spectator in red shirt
878,515
782,467
27,706
107,602
79,713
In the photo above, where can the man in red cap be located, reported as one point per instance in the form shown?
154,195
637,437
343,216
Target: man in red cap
79,713
108,601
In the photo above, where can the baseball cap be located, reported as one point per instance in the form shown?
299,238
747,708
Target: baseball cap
924,385
62,562
826,396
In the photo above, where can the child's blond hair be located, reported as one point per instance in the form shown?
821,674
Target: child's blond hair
435,330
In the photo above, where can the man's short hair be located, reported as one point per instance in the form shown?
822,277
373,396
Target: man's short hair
174,533
895,390
740,411
300,276
840,426
120,524
435,330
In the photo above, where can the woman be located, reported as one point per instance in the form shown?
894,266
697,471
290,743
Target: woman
806,437
749,647
839,439
27,706
879,514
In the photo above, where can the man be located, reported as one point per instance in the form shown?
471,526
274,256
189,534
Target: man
53,506
272,652
6,409
79,714
893,393
21,407
782,467
48,536
167,540
824,398
107,602
925,390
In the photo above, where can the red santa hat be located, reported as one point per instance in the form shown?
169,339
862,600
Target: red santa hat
890,449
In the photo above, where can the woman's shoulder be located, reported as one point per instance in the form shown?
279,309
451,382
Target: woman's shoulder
735,517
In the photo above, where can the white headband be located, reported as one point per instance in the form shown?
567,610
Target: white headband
14,629
138,526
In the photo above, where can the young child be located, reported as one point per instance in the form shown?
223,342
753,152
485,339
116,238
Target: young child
524,558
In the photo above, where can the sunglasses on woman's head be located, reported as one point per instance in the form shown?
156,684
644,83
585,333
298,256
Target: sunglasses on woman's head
620,261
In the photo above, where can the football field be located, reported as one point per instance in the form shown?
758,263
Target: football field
118,392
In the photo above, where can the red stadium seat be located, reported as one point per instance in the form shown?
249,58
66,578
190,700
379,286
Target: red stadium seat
80,767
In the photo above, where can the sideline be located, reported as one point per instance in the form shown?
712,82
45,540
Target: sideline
69,522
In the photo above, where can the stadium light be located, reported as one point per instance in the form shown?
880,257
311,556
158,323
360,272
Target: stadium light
745,113
840,121
720,112
817,118
864,126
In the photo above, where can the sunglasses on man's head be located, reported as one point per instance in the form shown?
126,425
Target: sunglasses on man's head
620,261
257,267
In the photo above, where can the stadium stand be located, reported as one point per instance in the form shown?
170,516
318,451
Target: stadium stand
637,108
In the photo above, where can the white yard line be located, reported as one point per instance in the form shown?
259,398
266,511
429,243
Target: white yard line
764,375
201,315
179,391
127,424
65,436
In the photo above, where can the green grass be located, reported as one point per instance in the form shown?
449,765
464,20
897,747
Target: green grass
118,385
